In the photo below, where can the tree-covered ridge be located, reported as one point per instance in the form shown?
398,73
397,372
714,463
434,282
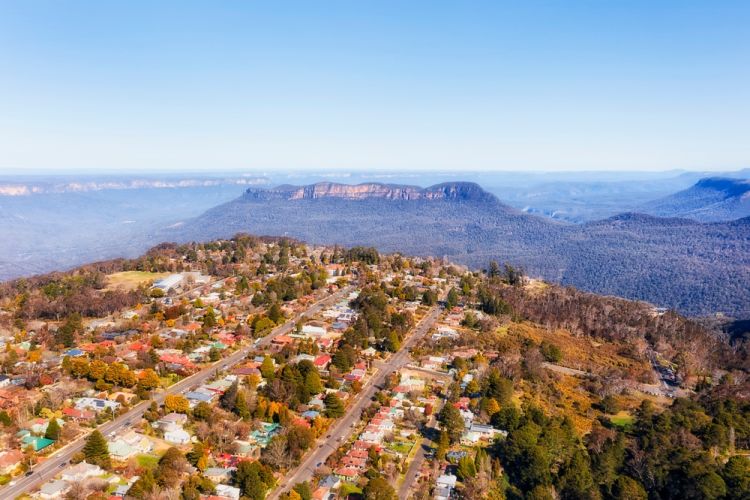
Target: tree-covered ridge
695,268
596,430
564,373
685,451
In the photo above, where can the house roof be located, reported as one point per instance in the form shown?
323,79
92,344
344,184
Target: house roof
10,457
199,396
282,339
120,448
54,487
347,472
322,360
37,443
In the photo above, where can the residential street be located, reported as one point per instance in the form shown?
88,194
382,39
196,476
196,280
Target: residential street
431,434
54,464
342,428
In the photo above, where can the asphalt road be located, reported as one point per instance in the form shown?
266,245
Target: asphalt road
342,428
416,464
56,463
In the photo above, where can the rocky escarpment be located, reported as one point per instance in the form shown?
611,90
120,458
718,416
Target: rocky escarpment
693,267
467,191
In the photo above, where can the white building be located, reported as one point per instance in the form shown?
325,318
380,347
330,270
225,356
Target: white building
170,281
96,404
224,490
54,489
444,486
313,331
81,471
177,435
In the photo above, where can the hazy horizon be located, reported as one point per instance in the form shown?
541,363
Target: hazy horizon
147,172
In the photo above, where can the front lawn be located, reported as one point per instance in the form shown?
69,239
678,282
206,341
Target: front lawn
402,447
147,461
347,489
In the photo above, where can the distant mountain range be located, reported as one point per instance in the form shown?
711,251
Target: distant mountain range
710,200
57,226
694,267
28,187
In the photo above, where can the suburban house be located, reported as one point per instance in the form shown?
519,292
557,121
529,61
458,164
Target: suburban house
226,491
219,474
36,443
76,414
177,435
322,493
96,404
9,460
129,444
81,471
445,332
444,486
312,331
171,419
54,489
434,363
263,436
200,395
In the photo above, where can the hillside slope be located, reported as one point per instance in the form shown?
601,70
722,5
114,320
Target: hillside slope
712,199
695,268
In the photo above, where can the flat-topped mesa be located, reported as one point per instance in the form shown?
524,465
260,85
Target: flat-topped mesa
460,191
729,187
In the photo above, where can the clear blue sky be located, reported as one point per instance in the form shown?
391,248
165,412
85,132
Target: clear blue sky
556,85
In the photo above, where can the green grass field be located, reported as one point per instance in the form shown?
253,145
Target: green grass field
149,461
349,489
622,419
402,447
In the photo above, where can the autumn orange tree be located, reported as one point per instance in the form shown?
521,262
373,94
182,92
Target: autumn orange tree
176,403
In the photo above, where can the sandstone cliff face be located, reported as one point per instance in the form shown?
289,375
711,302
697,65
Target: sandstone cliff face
446,191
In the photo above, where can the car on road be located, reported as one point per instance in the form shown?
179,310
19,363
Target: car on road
28,473
319,464
328,436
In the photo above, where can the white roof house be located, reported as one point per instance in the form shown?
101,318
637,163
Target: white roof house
81,471
96,404
224,490
177,435
468,417
54,489
170,281
371,437
445,485
313,331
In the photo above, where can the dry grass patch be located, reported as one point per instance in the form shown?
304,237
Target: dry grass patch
584,353
130,280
